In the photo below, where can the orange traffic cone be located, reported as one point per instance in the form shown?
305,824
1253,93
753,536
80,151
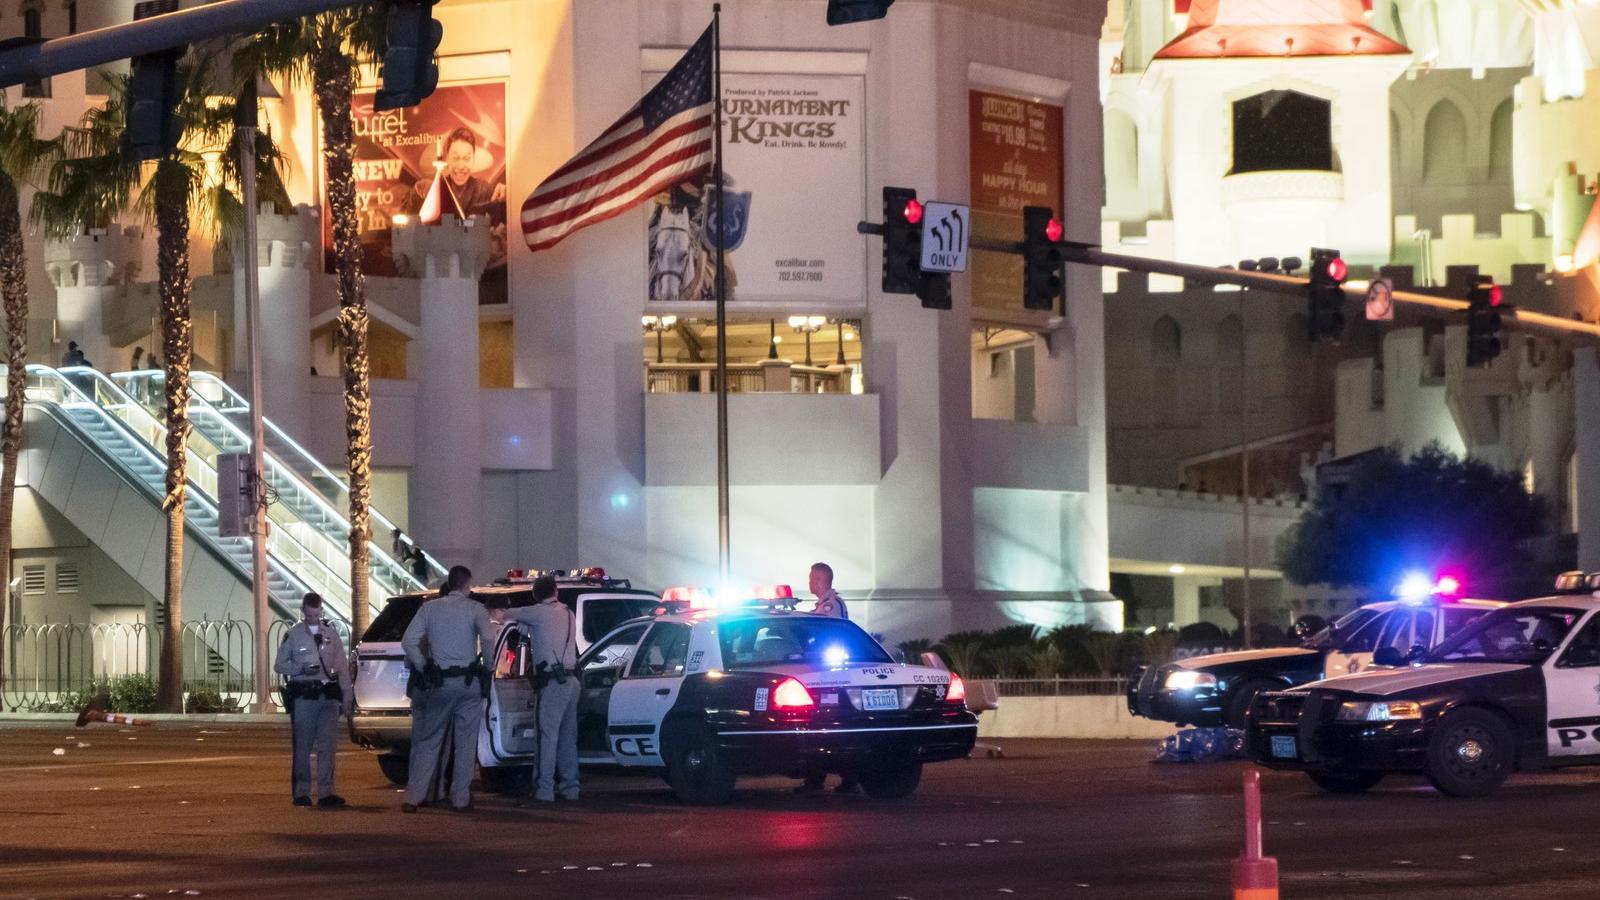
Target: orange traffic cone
1255,877
95,711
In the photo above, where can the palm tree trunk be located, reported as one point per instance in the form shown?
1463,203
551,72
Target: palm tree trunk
334,81
177,344
14,288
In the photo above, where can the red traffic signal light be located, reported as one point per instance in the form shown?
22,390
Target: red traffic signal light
1336,269
913,211
1053,230
1495,295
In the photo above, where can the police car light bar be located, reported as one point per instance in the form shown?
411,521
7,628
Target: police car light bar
772,592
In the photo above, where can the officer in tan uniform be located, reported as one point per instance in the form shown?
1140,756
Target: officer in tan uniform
312,657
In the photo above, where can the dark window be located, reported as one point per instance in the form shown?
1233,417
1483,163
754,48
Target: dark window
1584,651
602,614
1282,130
390,625
752,643
31,28
663,652
614,650
72,16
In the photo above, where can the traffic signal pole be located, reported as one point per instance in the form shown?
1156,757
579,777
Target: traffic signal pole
33,61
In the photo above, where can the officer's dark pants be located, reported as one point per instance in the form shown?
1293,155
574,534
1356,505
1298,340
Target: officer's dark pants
456,707
315,725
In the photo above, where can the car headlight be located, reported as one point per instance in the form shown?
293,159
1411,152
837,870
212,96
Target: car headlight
1379,711
1186,679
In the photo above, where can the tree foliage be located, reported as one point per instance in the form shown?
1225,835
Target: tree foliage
1433,513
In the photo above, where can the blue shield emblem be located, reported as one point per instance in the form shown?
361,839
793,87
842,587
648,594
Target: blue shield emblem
737,206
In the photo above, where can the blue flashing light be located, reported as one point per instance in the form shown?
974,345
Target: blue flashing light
1414,587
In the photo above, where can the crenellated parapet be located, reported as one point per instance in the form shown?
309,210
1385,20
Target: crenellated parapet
98,257
451,249
289,240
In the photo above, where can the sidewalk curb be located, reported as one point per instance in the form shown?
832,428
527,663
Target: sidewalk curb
197,718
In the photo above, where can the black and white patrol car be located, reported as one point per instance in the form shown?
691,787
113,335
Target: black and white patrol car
1517,690
1218,688
706,696
381,716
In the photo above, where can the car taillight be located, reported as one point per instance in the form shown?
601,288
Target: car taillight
791,694
957,693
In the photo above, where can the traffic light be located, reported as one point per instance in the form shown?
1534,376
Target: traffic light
1483,322
1325,314
1041,258
902,241
409,73
152,129
843,12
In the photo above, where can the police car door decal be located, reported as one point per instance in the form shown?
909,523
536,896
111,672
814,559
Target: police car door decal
641,699
1572,694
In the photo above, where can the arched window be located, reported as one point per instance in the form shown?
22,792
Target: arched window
1444,145
1166,341
1282,130
1230,341
1500,142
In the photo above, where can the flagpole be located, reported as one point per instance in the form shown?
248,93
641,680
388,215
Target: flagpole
724,553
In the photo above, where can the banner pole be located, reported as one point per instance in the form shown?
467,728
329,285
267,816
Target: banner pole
724,553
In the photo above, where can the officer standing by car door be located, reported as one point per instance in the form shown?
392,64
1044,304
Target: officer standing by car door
312,657
553,655
829,603
442,646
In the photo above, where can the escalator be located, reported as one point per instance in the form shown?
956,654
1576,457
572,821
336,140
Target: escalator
308,496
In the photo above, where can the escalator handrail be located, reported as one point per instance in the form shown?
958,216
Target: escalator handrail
58,413
195,460
435,568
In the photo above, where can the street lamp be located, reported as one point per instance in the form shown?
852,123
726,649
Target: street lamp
656,325
807,325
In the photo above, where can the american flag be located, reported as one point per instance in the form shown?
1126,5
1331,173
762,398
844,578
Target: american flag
664,140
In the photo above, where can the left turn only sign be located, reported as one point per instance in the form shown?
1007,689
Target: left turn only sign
946,228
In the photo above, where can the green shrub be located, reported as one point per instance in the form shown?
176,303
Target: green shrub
1045,659
133,694
911,651
208,700
1011,661
963,653
1011,636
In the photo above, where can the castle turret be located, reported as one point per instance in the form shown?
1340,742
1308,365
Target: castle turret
89,272
286,246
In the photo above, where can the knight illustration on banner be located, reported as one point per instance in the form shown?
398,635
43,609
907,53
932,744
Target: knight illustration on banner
682,243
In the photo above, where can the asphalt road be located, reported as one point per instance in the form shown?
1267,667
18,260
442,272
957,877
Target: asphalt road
191,810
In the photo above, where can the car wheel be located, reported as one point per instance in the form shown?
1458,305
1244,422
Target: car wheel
1470,753
395,767
1342,782
506,779
892,784
698,774
1242,698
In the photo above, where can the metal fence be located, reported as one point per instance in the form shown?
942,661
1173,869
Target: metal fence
1062,687
50,664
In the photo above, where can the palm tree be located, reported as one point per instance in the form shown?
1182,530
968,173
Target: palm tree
23,158
326,48
94,183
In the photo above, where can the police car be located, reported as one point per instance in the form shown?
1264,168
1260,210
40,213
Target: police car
1517,690
707,695
381,716
1219,688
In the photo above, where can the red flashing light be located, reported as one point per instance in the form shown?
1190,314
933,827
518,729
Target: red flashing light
516,573
696,597
791,694
772,592
1053,230
594,573
957,692
1447,587
1337,270
913,211
1495,295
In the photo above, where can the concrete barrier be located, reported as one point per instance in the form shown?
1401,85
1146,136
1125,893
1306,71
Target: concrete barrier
1068,717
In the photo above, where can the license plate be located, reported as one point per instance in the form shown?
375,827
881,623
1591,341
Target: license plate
885,698
1283,746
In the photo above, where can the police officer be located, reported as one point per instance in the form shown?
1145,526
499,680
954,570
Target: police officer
553,654
312,657
829,603
449,698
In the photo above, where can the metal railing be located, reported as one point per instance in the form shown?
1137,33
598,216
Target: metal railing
1062,687
767,377
55,666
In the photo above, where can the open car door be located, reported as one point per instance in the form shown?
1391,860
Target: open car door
512,722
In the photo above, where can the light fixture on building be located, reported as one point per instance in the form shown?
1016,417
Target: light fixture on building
839,360
1175,569
1564,263
401,219
656,325
772,339
807,325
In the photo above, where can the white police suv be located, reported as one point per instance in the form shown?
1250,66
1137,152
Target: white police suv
708,695
381,716
1519,689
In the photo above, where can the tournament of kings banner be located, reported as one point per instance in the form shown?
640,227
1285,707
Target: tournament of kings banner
1016,161
795,176
446,156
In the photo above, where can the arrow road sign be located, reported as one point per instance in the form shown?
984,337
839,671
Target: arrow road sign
946,229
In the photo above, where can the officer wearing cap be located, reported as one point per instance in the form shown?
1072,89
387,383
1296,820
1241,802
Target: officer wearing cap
312,657
553,655
442,645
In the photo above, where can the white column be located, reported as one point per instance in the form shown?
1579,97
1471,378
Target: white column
1586,437
1186,599
446,482
285,250
88,271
